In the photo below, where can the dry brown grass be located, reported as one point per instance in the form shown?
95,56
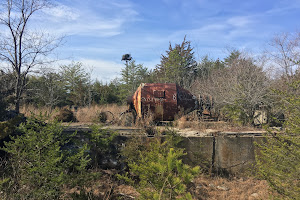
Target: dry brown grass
182,123
186,122
83,115
107,187
202,188
236,189
90,114
28,110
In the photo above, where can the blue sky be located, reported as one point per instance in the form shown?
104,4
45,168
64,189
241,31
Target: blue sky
99,32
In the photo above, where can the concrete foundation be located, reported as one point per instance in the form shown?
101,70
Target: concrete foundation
231,153
222,154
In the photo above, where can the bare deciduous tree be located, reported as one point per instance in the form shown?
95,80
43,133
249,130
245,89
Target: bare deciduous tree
285,53
241,83
21,48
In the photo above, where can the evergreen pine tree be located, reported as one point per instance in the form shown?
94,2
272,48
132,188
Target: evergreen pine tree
278,161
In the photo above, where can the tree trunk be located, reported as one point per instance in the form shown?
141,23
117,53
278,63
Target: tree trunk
17,94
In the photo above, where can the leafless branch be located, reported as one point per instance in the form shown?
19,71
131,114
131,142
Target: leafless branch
22,48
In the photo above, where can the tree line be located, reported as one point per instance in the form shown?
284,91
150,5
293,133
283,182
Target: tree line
239,83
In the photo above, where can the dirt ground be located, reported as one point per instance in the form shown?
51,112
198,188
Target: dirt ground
218,188
202,188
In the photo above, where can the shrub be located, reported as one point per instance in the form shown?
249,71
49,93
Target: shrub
102,117
101,144
158,168
236,114
66,115
8,127
3,106
278,161
39,167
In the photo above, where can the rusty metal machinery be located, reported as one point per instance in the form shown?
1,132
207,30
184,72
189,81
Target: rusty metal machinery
163,101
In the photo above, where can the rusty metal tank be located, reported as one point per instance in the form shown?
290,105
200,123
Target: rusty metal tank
162,101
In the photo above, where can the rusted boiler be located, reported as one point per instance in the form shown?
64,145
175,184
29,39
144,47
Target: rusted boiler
162,101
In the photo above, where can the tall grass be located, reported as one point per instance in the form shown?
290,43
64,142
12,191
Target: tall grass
82,114
91,115
30,109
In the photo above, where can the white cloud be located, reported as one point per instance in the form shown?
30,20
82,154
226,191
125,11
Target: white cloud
150,64
239,21
90,27
102,69
221,29
284,7
101,20
62,12
213,27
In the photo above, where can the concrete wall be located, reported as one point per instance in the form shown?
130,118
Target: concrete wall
226,153
223,154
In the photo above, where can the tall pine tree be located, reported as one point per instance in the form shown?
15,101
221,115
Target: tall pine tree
178,65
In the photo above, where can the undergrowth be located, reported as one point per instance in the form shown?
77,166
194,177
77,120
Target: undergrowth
156,168
43,161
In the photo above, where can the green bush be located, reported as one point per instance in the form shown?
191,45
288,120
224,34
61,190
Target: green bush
236,114
66,115
157,170
278,160
8,127
3,106
38,165
100,143
102,117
